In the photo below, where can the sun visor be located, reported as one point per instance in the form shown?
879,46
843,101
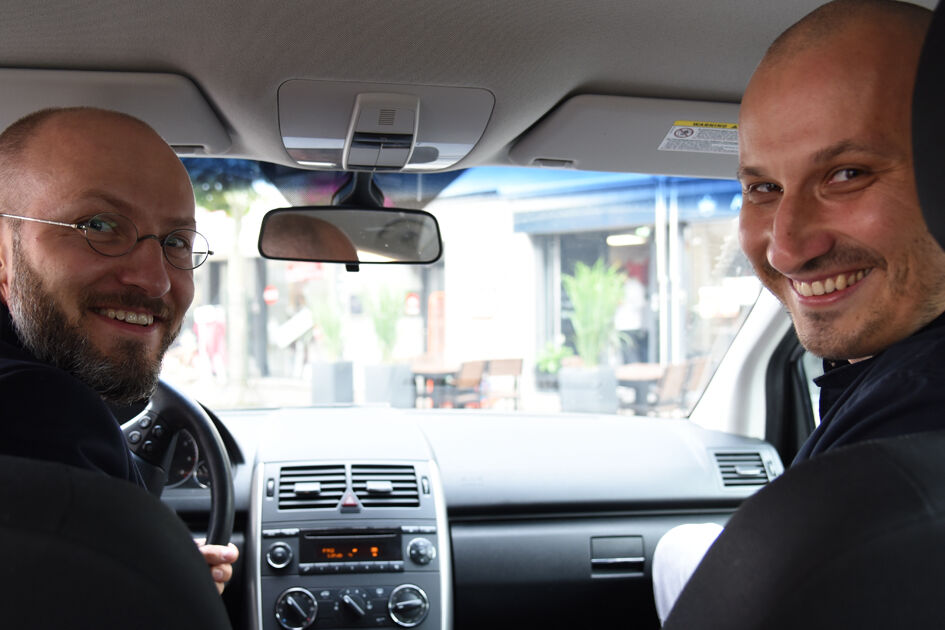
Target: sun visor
380,127
637,135
170,103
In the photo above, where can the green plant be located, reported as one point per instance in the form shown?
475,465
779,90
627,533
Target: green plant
328,320
386,309
549,361
595,292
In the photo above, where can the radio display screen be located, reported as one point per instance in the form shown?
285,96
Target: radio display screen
349,548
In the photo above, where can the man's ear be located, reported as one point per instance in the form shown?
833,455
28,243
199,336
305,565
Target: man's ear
6,270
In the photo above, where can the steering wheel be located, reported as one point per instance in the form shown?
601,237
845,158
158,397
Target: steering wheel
152,436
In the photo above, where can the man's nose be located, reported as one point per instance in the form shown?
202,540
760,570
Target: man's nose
798,234
146,267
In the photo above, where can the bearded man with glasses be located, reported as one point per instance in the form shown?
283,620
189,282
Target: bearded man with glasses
97,250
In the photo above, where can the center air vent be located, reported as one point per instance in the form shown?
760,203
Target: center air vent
385,486
742,469
307,487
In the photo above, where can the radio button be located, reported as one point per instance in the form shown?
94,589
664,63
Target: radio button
382,566
279,555
421,551
397,566
307,568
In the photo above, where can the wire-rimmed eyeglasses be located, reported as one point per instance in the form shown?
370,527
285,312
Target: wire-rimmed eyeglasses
112,234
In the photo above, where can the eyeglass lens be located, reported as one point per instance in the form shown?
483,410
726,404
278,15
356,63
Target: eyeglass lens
115,235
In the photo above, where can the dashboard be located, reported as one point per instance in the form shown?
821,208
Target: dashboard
377,517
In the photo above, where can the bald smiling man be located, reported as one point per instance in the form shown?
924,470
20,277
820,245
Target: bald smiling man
832,225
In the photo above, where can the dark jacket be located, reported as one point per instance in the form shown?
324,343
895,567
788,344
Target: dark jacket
46,413
900,390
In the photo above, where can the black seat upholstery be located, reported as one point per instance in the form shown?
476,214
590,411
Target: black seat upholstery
79,549
853,538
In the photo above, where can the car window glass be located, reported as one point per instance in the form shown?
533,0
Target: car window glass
557,291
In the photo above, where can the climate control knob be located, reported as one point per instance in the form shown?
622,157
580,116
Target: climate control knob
421,551
296,609
408,605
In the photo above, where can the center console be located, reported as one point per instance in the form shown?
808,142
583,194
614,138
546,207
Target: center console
339,544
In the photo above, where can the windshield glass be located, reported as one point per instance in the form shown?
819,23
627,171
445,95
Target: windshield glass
556,291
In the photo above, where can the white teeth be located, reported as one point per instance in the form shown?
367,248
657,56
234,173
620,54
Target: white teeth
142,319
828,286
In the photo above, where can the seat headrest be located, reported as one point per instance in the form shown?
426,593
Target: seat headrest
928,126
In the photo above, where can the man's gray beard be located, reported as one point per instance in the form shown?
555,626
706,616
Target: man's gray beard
45,330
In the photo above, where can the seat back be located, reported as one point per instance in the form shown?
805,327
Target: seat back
854,538
79,549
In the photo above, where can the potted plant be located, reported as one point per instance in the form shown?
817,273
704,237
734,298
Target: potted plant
389,382
595,292
548,363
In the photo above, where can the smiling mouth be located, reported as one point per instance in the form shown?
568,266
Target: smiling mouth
825,287
129,317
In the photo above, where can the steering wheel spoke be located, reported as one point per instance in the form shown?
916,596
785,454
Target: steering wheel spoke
152,436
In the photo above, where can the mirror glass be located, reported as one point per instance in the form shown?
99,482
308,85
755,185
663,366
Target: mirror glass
350,235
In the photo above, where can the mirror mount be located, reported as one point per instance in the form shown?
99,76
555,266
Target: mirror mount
360,190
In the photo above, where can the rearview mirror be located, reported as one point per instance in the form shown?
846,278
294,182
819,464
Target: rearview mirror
350,235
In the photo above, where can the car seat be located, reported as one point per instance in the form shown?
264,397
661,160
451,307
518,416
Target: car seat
79,549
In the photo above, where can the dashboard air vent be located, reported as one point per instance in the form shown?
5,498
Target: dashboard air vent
385,486
308,487
742,469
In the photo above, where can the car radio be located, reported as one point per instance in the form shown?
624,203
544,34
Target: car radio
350,546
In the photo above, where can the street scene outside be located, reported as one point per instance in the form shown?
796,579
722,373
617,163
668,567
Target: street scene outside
556,291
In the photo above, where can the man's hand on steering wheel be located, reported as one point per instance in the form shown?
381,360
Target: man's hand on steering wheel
220,559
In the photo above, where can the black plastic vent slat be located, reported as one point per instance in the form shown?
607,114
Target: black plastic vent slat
742,469
403,479
332,480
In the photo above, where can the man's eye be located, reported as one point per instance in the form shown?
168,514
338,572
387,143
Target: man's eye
762,192
177,241
100,225
845,175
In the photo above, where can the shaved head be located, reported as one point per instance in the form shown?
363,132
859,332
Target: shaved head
911,20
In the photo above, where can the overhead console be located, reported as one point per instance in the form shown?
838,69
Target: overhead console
339,544
380,126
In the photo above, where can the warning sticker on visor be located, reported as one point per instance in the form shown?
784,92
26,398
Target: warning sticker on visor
696,136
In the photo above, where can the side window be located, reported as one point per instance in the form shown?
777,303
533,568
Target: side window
813,367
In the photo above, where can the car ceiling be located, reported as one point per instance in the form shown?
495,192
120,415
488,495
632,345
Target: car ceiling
530,54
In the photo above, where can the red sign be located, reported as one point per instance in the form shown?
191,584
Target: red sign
412,304
270,295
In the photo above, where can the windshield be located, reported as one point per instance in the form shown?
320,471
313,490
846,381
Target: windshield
557,291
